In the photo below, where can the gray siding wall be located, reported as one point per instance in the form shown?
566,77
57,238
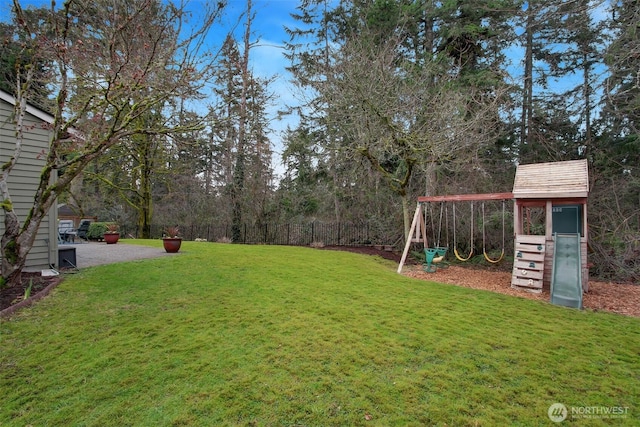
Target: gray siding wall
24,180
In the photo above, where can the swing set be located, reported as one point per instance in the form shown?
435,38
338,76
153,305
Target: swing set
435,255
554,256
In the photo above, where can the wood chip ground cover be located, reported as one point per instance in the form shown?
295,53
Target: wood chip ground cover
602,296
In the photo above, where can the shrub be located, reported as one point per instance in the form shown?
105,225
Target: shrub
96,230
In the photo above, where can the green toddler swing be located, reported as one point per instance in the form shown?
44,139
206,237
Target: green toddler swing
436,254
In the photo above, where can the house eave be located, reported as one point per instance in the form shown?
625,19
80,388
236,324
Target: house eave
34,111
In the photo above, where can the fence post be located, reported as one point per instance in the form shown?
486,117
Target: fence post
299,234
368,239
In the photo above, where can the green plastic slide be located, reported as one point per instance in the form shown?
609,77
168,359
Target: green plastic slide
566,278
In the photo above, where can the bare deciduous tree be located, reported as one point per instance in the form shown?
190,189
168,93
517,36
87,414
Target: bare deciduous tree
400,116
113,62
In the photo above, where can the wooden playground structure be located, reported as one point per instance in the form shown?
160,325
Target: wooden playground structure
552,255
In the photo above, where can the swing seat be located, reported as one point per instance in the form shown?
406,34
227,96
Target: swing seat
457,254
442,252
431,260
494,261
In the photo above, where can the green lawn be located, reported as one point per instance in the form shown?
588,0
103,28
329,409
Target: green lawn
283,336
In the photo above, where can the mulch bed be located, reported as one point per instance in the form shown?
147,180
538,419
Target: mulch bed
602,296
33,287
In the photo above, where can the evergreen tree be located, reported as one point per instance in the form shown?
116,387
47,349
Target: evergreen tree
564,40
623,59
239,160
20,62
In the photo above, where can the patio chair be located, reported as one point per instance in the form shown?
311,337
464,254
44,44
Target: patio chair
66,231
84,229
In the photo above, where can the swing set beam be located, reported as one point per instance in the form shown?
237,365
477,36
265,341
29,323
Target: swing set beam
466,197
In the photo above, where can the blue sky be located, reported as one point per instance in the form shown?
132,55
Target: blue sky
266,57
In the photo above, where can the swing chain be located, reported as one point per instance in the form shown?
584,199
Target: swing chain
484,250
455,248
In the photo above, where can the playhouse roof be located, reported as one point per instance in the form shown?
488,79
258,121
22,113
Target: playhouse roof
552,180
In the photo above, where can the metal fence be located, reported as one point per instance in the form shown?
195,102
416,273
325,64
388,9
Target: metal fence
293,234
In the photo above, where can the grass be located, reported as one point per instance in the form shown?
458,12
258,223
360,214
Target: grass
281,336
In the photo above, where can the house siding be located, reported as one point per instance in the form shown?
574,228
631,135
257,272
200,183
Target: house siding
24,180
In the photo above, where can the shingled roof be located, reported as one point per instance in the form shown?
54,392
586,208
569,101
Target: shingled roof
552,180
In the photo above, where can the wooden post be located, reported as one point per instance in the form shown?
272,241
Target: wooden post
517,218
414,223
585,228
549,220
424,230
415,236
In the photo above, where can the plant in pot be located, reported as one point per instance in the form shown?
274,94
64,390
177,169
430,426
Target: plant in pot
172,240
112,235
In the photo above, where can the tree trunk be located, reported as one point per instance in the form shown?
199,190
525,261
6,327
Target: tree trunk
145,210
587,103
239,170
406,215
16,243
430,183
527,96
12,262
236,197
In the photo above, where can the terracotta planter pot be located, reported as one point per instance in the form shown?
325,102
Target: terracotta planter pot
111,238
172,244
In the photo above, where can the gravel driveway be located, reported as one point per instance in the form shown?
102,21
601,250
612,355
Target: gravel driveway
99,253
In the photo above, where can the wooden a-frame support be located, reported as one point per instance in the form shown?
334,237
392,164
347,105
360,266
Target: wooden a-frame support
417,234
